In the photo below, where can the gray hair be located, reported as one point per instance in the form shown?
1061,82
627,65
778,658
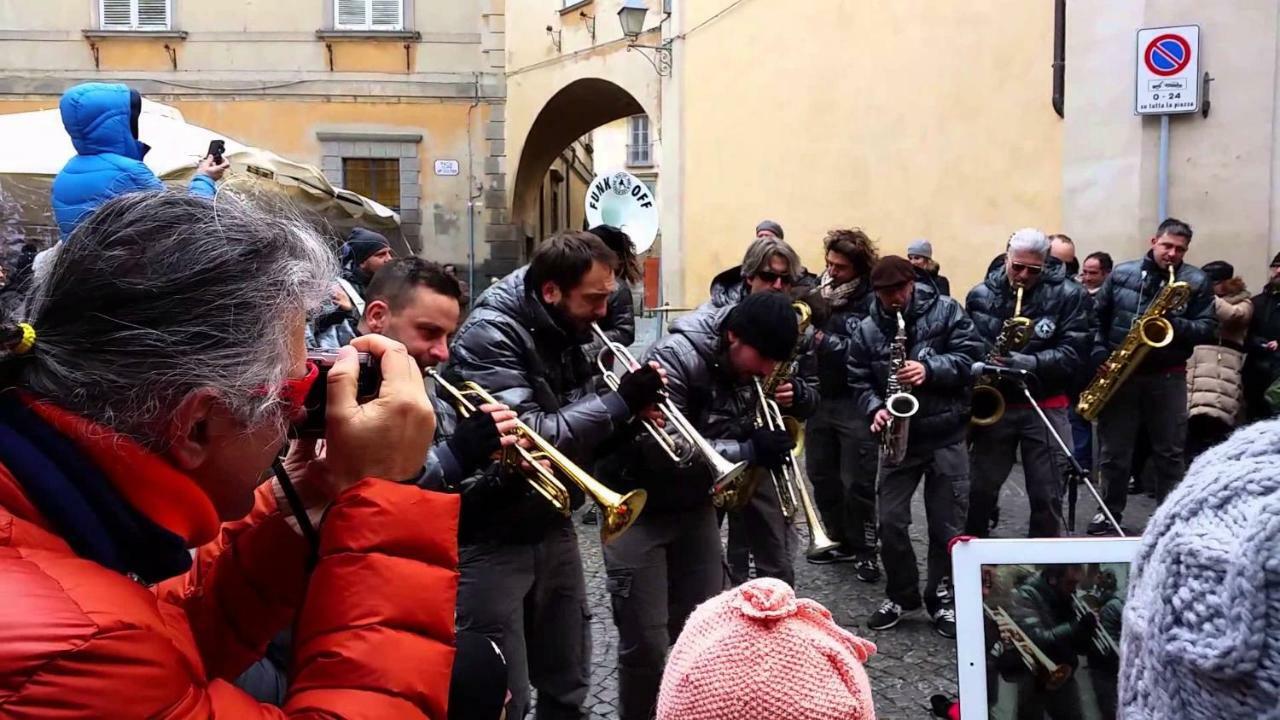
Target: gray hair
1029,240
160,294
764,248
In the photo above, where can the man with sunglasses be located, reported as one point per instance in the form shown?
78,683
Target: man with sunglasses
760,531
1154,398
1058,344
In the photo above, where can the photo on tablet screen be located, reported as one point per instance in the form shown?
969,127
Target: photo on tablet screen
1053,639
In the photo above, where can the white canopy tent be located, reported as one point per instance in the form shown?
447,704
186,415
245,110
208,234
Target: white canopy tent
34,147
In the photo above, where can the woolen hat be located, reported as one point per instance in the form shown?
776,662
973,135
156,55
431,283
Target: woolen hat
1219,271
767,322
361,244
772,227
757,652
1275,260
920,247
1202,611
892,271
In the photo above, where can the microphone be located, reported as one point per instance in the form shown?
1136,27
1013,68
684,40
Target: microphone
981,368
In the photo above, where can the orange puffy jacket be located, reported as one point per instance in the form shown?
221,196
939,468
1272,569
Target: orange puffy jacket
373,637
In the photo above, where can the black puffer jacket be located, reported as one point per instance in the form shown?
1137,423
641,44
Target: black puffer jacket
942,338
1048,618
833,350
717,404
620,324
1129,290
511,347
1061,322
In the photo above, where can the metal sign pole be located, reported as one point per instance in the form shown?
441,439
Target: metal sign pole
1162,211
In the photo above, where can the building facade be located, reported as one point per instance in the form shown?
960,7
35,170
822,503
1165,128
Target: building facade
400,100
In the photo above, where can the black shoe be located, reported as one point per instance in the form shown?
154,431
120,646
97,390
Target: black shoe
829,557
944,621
1100,527
889,614
589,517
1135,487
944,592
867,569
995,517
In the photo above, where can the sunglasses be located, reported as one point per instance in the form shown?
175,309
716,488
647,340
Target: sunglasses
1029,269
770,277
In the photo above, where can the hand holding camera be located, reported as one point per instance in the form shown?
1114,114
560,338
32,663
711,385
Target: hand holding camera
214,164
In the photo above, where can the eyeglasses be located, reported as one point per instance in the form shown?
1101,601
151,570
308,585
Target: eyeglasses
770,277
1029,269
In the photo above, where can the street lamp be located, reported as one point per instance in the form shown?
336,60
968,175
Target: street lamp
631,16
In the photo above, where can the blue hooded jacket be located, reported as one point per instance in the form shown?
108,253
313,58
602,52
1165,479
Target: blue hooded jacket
102,120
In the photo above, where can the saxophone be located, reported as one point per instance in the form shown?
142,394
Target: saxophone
901,404
1151,330
1015,333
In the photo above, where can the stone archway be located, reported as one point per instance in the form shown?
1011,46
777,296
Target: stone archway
576,109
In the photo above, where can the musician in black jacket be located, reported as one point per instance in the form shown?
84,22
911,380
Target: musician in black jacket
1043,608
840,454
670,561
1058,342
941,347
521,572
1154,398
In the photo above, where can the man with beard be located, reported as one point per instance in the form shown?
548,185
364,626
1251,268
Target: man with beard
522,582
840,453
1044,609
1154,398
760,531
669,561
941,347
1057,340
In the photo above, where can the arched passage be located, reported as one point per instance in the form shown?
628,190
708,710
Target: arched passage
573,111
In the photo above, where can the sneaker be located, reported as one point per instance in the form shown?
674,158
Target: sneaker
1099,526
944,593
888,615
867,569
589,517
828,557
944,621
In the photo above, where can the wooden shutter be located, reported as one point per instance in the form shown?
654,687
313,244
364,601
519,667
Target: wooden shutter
153,14
117,15
351,14
387,15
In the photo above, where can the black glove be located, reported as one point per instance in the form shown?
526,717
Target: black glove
771,447
640,388
474,441
1021,361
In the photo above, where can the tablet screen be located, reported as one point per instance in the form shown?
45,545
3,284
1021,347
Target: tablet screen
1052,639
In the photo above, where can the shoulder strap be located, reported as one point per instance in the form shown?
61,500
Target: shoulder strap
356,300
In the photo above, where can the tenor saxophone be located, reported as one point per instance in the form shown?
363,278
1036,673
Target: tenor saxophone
1151,330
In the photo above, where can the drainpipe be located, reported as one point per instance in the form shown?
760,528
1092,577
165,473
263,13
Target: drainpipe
473,192
1059,54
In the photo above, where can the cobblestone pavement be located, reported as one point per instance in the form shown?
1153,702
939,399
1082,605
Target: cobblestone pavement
912,661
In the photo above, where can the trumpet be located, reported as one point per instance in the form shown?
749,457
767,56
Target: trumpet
619,511
1102,641
684,443
1052,675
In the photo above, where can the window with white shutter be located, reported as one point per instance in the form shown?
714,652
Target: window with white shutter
135,14
368,14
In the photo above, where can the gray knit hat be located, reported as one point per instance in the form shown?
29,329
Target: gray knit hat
772,227
1201,636
920,247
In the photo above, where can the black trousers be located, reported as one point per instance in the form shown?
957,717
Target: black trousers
840,458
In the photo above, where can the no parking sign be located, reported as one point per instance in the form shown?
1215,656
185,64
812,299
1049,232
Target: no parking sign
1168,70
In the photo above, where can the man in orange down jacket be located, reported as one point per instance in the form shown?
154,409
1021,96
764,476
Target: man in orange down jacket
144,394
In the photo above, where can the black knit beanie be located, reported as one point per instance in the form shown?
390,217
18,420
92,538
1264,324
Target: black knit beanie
767,322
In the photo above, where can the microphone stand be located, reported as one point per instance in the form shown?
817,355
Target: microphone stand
1076,470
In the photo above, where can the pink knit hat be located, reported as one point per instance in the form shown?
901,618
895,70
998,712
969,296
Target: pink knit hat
757,652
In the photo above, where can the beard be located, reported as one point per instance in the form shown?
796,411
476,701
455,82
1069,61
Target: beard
578,331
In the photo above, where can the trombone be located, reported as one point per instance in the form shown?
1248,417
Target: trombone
619,511
684,443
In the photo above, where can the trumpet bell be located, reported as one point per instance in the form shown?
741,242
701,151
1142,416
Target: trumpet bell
620,514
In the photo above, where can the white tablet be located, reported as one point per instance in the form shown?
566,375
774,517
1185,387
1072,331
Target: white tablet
1038,626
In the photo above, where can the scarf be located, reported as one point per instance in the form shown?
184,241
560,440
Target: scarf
80,502
837,296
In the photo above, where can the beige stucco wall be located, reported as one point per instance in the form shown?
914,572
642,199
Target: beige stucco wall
1222,176
909,118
